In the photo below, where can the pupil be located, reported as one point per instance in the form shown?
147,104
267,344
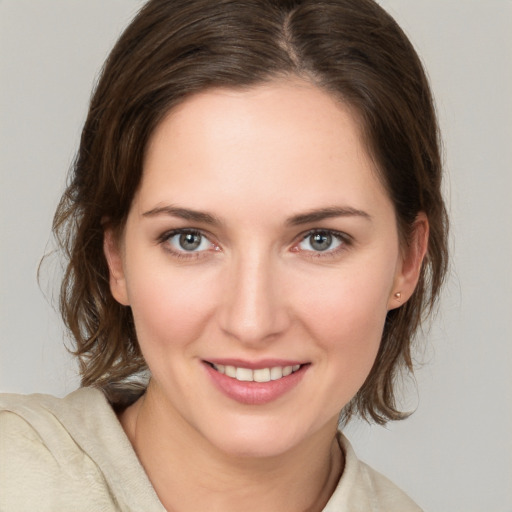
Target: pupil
321,241
190,241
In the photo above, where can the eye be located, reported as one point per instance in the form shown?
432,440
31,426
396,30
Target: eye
187,241
321,241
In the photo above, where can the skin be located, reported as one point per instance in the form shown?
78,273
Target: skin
257,288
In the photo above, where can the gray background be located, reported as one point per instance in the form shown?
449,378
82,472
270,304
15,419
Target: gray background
455,452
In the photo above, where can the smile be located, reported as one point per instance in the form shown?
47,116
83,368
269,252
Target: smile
261,383
259,375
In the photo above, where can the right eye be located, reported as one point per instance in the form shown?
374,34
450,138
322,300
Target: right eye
322,241
187,241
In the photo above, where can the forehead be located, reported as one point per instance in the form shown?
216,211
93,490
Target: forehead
286,141
279,112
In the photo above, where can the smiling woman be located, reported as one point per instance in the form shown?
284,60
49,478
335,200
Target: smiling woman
255,228
294,279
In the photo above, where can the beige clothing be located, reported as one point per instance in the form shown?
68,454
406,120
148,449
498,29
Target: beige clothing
71,454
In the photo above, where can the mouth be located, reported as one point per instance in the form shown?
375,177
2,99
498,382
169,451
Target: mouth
268,374
255,383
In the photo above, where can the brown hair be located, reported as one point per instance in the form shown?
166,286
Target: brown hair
175,48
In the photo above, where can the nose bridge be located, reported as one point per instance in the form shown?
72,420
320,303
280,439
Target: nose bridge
253,308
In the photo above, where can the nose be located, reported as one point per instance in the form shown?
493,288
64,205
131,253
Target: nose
254,309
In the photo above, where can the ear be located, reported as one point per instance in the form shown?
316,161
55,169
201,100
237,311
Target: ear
409,267
112,247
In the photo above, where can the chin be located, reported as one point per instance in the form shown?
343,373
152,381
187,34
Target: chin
253,437
254,445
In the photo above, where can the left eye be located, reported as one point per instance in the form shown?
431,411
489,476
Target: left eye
189,241
320,241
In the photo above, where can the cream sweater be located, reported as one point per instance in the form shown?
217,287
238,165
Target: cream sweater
71,454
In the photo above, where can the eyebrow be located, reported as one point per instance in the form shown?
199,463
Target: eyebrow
326,213
184,213
296,220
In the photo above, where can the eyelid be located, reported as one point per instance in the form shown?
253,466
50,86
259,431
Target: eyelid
180,231
334,232
167,235
345,238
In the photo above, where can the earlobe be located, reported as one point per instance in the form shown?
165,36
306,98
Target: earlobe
113,255
409,270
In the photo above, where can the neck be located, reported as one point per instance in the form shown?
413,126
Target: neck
188,474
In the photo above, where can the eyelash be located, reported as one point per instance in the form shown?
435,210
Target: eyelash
166,237
344,239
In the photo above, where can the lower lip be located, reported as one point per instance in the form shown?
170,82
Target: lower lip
255,393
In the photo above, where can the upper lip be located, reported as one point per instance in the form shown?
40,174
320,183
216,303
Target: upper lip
254,365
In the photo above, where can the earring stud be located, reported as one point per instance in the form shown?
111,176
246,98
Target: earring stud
398,295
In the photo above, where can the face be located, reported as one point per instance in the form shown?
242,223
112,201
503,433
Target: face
260,257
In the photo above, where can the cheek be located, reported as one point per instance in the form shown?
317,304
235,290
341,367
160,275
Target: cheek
346,312
347,325
170,308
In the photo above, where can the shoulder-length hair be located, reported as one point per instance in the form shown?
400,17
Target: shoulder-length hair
175,48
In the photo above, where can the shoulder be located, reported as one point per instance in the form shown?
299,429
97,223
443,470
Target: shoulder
68,454
41,462
386,493
362,489
37,420
43,420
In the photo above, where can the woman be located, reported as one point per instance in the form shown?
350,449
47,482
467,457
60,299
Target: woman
254,228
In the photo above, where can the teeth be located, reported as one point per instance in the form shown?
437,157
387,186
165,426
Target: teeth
287,370
230,371
244,374
276,373
260,375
